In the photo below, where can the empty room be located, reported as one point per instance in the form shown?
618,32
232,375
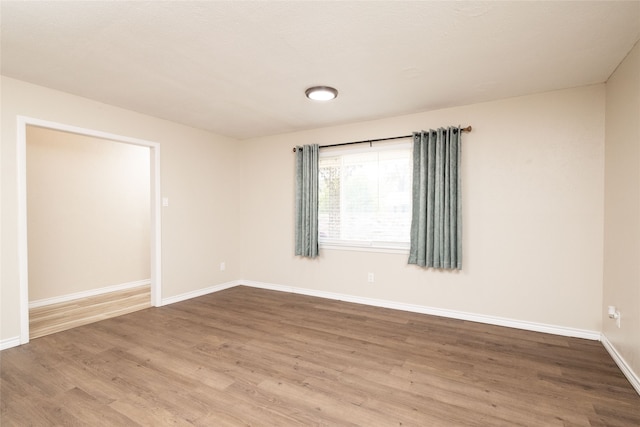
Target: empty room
368,213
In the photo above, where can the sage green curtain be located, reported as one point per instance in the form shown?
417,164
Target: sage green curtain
436,223
307,200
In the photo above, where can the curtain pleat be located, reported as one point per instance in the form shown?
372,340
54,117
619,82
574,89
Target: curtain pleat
306,234
436,223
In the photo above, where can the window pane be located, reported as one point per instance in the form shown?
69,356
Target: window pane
329,198
366,197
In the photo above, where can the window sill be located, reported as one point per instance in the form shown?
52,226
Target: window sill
358,248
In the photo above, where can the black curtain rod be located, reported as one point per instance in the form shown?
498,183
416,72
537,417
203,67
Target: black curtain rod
467,129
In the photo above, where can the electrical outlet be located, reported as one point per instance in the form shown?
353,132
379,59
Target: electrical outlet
223,266
614,313
370,278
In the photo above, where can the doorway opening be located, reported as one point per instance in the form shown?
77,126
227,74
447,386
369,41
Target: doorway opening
138,146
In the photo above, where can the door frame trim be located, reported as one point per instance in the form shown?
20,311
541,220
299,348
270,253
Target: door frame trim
155,226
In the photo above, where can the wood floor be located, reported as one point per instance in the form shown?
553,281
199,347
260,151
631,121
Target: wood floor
66,315
253,357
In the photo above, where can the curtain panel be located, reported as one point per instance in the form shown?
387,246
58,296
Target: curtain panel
436,223
306,234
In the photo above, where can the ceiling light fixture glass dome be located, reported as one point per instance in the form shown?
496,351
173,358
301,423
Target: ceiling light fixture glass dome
321,93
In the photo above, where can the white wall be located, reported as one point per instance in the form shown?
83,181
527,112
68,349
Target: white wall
88,211
198,174
533,177
622,209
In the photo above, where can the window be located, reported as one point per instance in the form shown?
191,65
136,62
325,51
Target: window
365,197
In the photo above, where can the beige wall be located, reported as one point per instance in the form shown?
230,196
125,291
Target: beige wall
198,175
533,176
622,209
533,206
88,210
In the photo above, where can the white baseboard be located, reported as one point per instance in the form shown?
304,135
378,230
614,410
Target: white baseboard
9,342
89,293
622,364
200,292
481,318
491,320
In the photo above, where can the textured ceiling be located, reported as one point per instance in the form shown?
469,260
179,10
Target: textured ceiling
240,68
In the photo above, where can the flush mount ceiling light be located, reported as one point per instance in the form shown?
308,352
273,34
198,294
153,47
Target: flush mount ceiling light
321,93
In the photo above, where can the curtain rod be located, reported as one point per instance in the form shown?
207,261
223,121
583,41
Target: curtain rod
466,129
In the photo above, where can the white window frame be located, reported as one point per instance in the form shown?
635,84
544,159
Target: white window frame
365,246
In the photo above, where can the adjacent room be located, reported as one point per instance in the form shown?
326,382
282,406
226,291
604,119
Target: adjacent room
451,237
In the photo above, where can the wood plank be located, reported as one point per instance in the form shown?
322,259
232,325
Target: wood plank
59,317
247,356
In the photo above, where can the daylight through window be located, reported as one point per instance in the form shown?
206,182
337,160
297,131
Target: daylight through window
365,197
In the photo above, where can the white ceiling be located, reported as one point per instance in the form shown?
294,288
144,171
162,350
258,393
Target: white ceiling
240,68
